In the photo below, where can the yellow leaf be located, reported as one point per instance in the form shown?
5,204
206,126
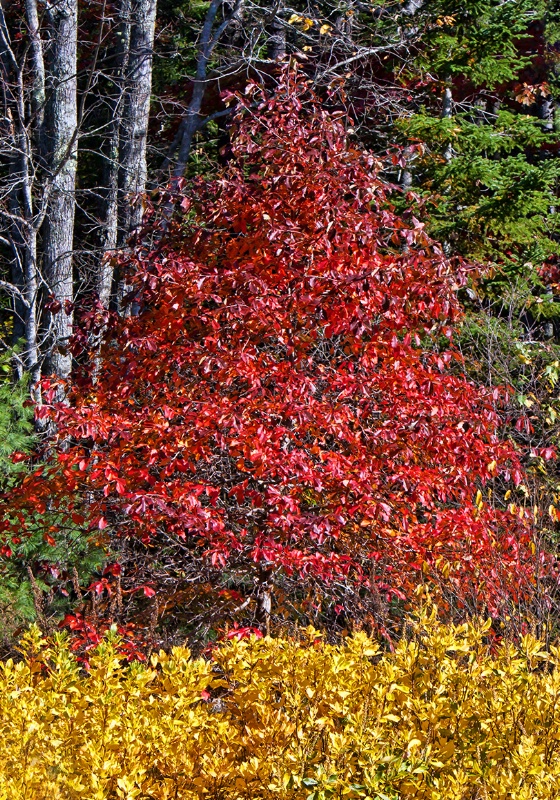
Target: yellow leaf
414,743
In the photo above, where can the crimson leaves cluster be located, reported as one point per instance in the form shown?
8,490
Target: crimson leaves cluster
288,402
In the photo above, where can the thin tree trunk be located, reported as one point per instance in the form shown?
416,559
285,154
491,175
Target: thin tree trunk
31,274
546,113
61,161
38,96
447,104
21,221
447,113
133,134
136,111
277,41
31,316
405,178
192,120
120,58
479,110
412,6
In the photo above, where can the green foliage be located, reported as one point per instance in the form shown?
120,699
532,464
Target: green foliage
176,56
552,37
50,564
16,434
477,40
16,426
72,549
491,199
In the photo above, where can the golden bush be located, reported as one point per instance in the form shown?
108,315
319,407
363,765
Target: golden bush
442,717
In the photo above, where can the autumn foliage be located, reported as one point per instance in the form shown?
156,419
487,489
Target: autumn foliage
287,407
441,717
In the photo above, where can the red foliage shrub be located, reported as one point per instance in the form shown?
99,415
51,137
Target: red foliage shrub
288,401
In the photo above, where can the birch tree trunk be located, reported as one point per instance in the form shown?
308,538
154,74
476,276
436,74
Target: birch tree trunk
20,220
60,157
38,60
119,67
127,162
447,113
136,113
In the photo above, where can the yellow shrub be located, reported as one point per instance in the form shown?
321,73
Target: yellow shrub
440,718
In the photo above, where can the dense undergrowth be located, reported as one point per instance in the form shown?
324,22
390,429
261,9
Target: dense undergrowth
449,714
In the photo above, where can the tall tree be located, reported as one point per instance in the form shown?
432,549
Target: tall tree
59,156
135,116
126,160
116,69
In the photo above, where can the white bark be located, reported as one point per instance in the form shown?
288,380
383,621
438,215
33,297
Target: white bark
136,113
128,170
119,68
20,221
61,160
447,113
37,53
